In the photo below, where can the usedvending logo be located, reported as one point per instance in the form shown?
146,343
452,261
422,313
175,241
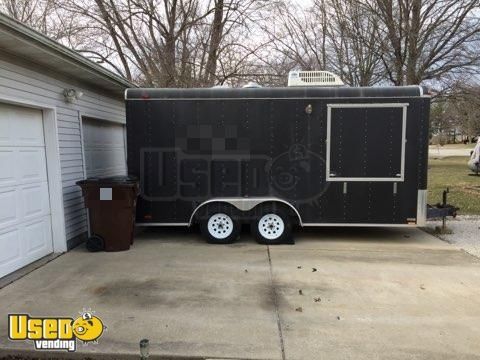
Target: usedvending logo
55,333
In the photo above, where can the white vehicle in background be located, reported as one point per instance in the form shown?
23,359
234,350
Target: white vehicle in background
474,162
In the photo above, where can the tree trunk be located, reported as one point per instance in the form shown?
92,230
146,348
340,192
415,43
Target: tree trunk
413,32
215,39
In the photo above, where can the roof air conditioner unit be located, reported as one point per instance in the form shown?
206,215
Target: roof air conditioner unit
313,78
251,85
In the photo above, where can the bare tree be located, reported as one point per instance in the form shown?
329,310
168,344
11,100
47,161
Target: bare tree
464,105
298,35
191,43
41,15
456,112
165,43
34,13
216,34
334,35
354,51
426,39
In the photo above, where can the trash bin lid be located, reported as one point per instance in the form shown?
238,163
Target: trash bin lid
110,180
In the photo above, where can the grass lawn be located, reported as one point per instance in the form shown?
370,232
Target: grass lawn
452,172
455,146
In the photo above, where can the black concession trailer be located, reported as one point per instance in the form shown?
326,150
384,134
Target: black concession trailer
278,157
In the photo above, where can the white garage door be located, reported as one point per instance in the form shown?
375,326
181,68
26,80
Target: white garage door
104,148
25,221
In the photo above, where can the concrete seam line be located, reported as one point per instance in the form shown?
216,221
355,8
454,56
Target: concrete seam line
275,302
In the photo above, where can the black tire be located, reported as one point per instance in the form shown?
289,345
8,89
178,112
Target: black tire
272,233
219,224
95,243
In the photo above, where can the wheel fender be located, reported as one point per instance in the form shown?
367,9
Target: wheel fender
245,204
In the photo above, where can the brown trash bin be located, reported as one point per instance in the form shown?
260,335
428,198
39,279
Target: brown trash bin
111,203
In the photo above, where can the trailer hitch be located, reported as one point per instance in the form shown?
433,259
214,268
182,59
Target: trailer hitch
442,210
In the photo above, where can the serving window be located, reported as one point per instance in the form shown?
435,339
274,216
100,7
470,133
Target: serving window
366,142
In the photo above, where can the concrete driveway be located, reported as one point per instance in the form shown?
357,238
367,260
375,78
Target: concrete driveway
336,294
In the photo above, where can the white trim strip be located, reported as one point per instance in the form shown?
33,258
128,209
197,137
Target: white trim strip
359,179
327,141
331,177
404,142
368,105
358,225
162,224
422,207
303,225
245,204
274,98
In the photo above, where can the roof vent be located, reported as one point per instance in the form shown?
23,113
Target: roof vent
313,78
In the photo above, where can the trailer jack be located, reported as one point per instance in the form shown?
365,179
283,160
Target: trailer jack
442,210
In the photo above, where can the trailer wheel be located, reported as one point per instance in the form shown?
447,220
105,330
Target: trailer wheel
272,226
219,225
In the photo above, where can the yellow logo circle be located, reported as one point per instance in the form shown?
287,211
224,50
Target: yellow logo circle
87,327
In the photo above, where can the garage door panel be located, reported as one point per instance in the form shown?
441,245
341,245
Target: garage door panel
6,126
88,160
104,148
10,247
9,209
20,126
37,235
7,167
31,165
5,131
23,203
31,133
25,220
35,201
22,244
108,137
118,158
101,133
20,165
105,161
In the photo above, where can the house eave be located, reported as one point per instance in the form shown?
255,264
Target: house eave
22,41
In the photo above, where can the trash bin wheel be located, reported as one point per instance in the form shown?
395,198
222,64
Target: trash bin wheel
219,224
272,226
95,243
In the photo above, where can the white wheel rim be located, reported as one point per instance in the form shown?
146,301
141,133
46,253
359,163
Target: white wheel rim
220,226
271,226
